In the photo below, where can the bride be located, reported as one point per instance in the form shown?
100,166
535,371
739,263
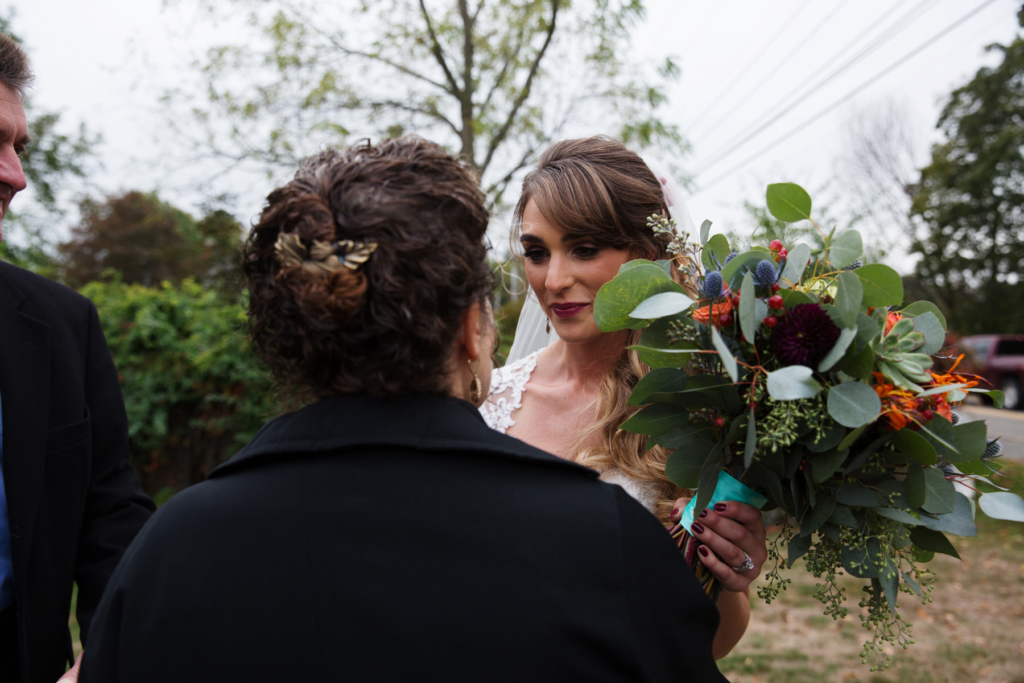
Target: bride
582,214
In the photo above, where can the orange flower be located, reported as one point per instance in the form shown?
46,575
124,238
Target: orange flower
704,311
891,320
898,405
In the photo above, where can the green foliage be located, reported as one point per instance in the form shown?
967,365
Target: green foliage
192,387
968,201
494,81
147,241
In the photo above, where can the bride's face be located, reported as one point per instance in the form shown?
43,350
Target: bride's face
565,271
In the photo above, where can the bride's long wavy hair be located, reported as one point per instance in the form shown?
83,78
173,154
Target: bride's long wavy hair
597,186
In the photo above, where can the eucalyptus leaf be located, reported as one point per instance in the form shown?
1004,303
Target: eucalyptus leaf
750,444
867,331
705,230
838,351
684,465
661,305
656,419
788,202
748,309
846,249
934,333
917,308
849,293
862,562
817,516
934,541
659,380
997,396
909,580
861,364
917,487
851,438
798,547
890,583
796,263
667,358
843,516
1003,505
959,522
882,285
824,465
728,361
627,290
914,446
856,494
792,383
719,246
708,481
969,439
853,404
940,496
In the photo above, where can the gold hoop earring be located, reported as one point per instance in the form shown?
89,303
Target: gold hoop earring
547,328
476,387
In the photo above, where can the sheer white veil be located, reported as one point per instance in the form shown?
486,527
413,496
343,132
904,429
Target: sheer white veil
531,332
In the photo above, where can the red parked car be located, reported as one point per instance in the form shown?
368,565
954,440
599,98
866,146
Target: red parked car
999,359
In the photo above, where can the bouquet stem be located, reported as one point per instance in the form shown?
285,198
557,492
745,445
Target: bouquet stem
688,545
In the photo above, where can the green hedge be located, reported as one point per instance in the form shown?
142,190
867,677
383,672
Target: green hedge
192,387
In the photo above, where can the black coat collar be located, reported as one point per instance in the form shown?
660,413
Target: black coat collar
413,421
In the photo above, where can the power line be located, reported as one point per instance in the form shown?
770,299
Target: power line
742,72
893,30
846,97
800,44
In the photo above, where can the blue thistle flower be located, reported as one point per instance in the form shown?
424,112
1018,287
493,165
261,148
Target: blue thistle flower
765,273
713,284
730,257
993,450
855,265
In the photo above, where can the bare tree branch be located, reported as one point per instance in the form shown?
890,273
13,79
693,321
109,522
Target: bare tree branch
439,53
377,57
466,101
499,137
432,113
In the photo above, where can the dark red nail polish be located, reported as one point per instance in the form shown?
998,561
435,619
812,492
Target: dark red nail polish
675,511
703,551
703,514
698,528
720,507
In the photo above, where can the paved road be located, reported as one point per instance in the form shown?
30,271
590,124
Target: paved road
1006,424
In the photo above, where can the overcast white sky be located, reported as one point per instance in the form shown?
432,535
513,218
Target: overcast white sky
104,63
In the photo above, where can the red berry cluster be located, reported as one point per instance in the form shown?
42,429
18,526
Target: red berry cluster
778,251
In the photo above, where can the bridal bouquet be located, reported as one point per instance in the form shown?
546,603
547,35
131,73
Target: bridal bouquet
797,373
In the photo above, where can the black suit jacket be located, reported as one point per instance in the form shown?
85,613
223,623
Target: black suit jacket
73,500
366,539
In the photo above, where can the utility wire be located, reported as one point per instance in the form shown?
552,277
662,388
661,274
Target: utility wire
804,124
740,139
800,44
743,72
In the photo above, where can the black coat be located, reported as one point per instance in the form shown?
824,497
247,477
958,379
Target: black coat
73,500
365,539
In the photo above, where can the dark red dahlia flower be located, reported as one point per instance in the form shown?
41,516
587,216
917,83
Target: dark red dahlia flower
804,335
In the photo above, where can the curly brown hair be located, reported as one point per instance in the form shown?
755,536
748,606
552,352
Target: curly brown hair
388,327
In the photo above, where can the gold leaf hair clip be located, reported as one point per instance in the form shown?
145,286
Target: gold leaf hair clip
321,258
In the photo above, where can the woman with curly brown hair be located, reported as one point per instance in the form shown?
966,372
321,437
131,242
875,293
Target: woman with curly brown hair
384,532
583,214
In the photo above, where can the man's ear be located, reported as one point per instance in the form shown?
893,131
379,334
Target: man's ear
471,336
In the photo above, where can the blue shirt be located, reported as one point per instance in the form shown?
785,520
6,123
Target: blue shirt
6,562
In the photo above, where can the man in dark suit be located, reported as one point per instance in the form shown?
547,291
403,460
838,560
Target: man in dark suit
70,502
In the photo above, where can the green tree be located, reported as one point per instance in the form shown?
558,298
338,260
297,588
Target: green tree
969,202
147,241
493,80
192,387
50,161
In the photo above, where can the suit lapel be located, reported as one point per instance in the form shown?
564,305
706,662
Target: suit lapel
25,388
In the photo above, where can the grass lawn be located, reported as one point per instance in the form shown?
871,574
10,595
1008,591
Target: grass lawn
972,631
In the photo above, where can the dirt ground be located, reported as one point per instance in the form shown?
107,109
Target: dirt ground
972,631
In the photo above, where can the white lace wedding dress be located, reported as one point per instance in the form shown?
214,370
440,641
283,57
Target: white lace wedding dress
506,396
